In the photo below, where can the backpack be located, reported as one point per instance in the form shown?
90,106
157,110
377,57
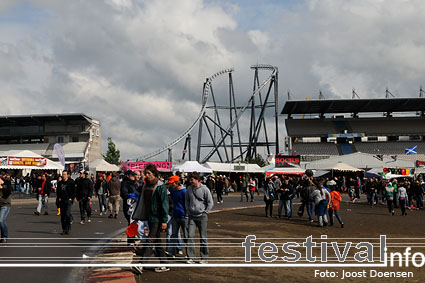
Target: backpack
310,190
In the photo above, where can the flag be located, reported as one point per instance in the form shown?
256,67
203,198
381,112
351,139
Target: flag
411,150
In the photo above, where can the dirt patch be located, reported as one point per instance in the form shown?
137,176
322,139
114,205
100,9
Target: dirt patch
227,230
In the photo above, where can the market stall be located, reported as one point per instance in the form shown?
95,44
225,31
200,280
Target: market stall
26,161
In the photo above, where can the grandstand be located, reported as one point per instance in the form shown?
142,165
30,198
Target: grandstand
79,135
325,128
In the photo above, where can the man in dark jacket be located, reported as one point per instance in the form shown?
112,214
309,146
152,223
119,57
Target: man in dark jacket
5,203
66,193
43,193
153,206
84,195
129,193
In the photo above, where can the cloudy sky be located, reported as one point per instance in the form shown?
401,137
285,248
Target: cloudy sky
139,66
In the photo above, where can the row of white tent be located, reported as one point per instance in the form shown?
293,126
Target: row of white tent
99,165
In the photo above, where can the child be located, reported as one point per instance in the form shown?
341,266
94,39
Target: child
334,204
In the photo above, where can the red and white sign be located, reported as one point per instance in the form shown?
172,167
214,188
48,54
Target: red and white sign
140,166
26,161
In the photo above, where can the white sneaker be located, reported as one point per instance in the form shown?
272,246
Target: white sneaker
203,261
190,261
180,252
82,222
100,214
89,220
161,269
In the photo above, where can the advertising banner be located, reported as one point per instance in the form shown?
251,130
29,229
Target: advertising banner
26,161
287,160
140,166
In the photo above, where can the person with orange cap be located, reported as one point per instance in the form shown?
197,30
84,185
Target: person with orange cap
178,218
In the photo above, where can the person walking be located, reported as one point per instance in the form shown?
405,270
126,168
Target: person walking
402,194
153,206
269,196
219,188
129,194
5,204
114,188
84,195
43,193
334,204
244,188
321,197
198,202
251,187
57,199
389,194
101,189
66,194
179,219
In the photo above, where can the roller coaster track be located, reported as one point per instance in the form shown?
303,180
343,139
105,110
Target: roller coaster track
274,71
205,95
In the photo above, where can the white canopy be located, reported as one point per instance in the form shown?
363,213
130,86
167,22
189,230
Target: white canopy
344,167
360,160
50,165
100,165
235,167
192,166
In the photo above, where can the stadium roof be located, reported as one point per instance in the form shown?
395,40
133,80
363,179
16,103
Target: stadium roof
353,106
39,118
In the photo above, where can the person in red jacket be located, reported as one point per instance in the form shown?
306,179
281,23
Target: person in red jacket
334,203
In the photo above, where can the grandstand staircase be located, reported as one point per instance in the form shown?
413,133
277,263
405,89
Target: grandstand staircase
346,148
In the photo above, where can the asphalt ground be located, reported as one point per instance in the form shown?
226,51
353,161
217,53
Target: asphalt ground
36,240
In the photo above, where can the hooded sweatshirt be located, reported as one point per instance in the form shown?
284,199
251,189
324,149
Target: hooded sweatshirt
198,201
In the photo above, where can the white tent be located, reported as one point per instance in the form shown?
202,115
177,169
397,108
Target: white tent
344,167
360,160
100,165
234,167
192,166
49,164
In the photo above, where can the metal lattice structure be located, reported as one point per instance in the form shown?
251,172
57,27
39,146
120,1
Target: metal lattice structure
224,140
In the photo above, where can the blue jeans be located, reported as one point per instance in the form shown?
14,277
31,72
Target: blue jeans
4,211
281,204
170,248
244,192
176,241
331,218
310,206
288,207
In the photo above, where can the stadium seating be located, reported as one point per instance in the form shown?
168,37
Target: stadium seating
369,126
315,148
388,148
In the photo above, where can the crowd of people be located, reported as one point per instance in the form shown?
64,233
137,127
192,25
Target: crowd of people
165,214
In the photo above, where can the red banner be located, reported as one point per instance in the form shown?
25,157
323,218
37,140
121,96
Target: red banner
140,166
287,160
26,161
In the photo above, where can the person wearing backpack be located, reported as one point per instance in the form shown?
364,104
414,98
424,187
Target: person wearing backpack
269,196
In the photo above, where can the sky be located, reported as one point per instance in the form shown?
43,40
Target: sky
139,66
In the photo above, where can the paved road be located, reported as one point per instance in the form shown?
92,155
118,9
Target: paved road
37,239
